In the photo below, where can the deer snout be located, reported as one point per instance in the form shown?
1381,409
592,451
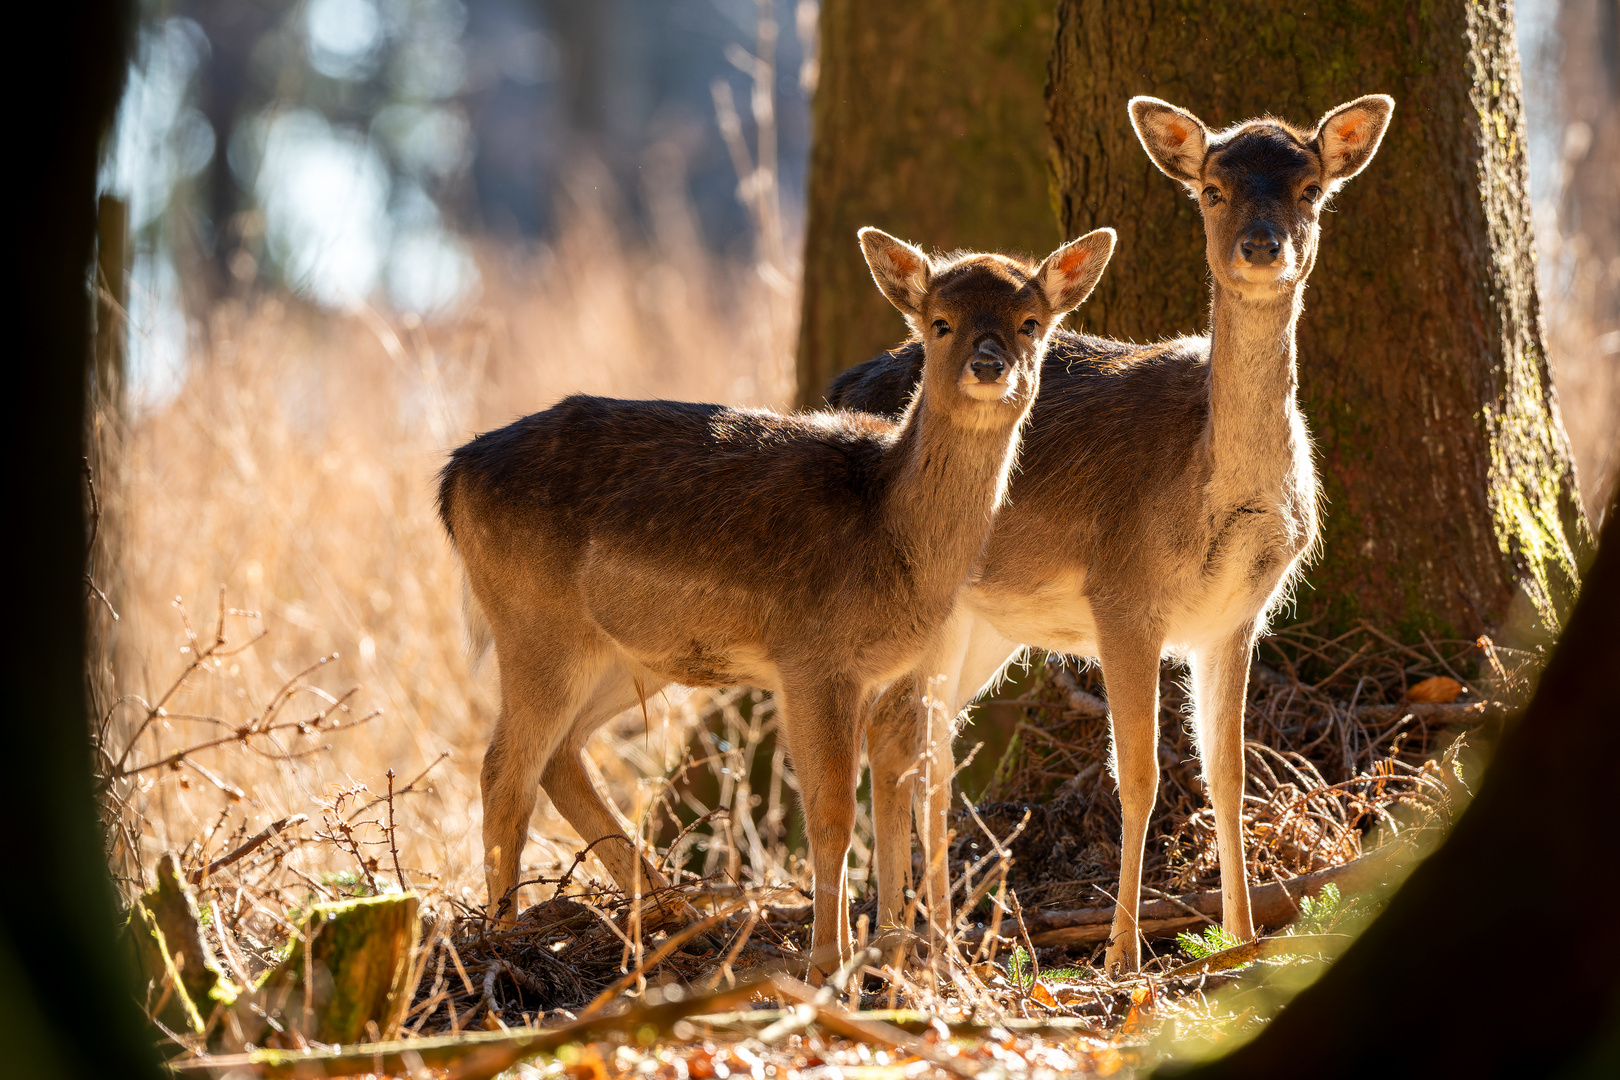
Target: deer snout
1262,245
988,365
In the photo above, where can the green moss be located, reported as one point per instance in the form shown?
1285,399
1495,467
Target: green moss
359,957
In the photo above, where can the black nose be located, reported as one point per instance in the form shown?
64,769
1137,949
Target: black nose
1262,245
987,363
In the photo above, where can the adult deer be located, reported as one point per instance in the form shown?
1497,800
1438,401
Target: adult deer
615,546
1164,502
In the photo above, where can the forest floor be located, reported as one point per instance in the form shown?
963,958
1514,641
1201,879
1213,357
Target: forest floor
703,980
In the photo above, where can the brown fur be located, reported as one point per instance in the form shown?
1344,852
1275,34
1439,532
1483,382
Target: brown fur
615,546
1164,502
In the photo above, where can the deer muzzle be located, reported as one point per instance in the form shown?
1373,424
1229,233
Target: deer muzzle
988,365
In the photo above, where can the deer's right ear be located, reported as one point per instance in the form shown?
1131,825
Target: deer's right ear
1070,273
1174,138
899,269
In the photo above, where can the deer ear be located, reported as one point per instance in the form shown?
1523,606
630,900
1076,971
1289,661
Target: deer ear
1348,136
901,271
1070,273
1174,138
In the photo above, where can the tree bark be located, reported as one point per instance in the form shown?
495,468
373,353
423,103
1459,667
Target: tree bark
1451,502
927,124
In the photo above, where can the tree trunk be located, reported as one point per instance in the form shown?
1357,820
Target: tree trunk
1585,335
928,125
65,992
1451,502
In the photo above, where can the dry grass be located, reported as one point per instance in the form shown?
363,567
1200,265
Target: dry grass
295,471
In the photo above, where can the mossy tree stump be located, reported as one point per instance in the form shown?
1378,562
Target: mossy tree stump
350,964
176,965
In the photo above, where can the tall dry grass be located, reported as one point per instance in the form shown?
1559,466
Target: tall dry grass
294,474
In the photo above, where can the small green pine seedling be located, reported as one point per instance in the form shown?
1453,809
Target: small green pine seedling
1214,939
1019,971
1320,913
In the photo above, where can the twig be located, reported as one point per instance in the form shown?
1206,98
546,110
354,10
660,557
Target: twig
248,847
393,842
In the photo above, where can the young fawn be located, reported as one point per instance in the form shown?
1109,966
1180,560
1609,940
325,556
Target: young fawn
1164,502
616,546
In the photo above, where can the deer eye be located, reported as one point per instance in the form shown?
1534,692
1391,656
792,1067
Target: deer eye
1312,193
941,327
1212,195
1029,327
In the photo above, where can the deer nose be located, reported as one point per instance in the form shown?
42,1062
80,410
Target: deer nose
1262,245
987,363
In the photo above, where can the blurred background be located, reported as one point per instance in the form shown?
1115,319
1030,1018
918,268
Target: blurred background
339,237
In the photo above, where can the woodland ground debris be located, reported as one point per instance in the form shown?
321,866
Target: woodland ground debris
1380,765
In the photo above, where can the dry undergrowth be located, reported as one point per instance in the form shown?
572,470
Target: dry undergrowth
310,728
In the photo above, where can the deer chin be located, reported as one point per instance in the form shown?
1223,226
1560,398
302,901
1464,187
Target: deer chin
1000,390
1262,282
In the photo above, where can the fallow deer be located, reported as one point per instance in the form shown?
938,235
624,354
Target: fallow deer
616,546
1164,503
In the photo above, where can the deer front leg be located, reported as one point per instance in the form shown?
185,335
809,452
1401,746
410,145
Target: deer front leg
1220,690
824,728
1130,664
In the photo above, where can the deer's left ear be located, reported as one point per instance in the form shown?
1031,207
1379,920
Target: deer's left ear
1070,273
1348,137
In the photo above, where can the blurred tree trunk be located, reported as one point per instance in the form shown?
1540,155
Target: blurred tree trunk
227,88
1586,343
1451,493
927,124
67,997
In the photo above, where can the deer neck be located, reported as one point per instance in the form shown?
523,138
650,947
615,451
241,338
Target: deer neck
1255,432
946,482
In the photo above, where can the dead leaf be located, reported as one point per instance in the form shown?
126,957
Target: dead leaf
1042,994
1143,1002
1439,690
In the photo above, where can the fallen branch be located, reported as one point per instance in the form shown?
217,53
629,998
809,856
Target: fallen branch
913,1022
861,1029
473,1056
1250,951
1272,905
248,847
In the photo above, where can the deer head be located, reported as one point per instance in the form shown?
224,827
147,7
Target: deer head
984,319
1262,184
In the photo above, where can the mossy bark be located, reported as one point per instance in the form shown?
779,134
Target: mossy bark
359,955
927,124
1451,503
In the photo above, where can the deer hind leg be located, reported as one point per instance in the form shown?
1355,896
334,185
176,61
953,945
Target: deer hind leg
1220,687
823,723
1130,664
543,686
894,744
574,791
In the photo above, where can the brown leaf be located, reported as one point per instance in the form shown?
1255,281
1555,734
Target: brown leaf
1439,690
1041,994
